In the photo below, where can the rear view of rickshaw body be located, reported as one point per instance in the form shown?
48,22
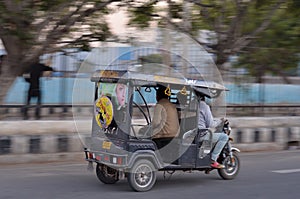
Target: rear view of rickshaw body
121,142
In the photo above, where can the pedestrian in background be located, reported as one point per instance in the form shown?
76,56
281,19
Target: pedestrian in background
36,71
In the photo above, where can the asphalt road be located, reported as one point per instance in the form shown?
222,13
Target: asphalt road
271,175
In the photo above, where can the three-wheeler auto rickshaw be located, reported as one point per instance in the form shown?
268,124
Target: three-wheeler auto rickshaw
121,144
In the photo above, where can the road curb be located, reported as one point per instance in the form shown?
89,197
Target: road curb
13,159
22,141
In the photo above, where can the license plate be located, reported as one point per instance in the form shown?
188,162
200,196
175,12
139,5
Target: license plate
106,145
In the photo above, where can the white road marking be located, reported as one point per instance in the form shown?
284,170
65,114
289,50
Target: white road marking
284,171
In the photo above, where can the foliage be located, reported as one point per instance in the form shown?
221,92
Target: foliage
30,29
141,16
263,33
276,50
43,26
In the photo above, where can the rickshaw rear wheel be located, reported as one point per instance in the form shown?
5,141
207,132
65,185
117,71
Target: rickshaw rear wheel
231,169
142,176
106,174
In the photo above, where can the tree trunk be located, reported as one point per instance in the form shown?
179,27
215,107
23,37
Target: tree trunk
6,80
5,84
13,65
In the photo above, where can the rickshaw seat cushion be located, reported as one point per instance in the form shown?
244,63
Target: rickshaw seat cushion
161,142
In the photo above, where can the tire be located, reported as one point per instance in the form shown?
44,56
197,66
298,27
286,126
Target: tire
106,174
231,170
142,176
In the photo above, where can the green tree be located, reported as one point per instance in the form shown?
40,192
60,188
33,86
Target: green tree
240,25
276,50
32,28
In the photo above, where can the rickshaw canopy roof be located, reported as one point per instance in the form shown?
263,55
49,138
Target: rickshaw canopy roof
154,74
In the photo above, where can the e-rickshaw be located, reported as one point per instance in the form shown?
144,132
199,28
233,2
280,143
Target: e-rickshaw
121,142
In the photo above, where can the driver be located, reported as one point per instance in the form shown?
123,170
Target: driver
165,121
206,121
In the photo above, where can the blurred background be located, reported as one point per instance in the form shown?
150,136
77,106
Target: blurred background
253,45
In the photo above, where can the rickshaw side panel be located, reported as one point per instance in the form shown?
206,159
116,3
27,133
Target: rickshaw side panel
188,157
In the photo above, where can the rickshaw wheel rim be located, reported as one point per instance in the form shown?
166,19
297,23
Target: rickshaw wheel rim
143,175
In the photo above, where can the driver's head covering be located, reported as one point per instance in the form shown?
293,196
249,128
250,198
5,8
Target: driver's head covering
203,92
160,92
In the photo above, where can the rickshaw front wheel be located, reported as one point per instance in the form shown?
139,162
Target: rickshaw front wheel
232,167
142,176
106,174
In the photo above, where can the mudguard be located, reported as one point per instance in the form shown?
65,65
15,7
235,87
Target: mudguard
233,149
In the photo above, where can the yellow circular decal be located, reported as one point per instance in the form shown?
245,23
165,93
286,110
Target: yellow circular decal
103,112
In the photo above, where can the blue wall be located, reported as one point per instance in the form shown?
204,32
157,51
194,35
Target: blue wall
263,93
61,90
54,91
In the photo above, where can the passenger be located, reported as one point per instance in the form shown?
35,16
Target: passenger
206,120
165,122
